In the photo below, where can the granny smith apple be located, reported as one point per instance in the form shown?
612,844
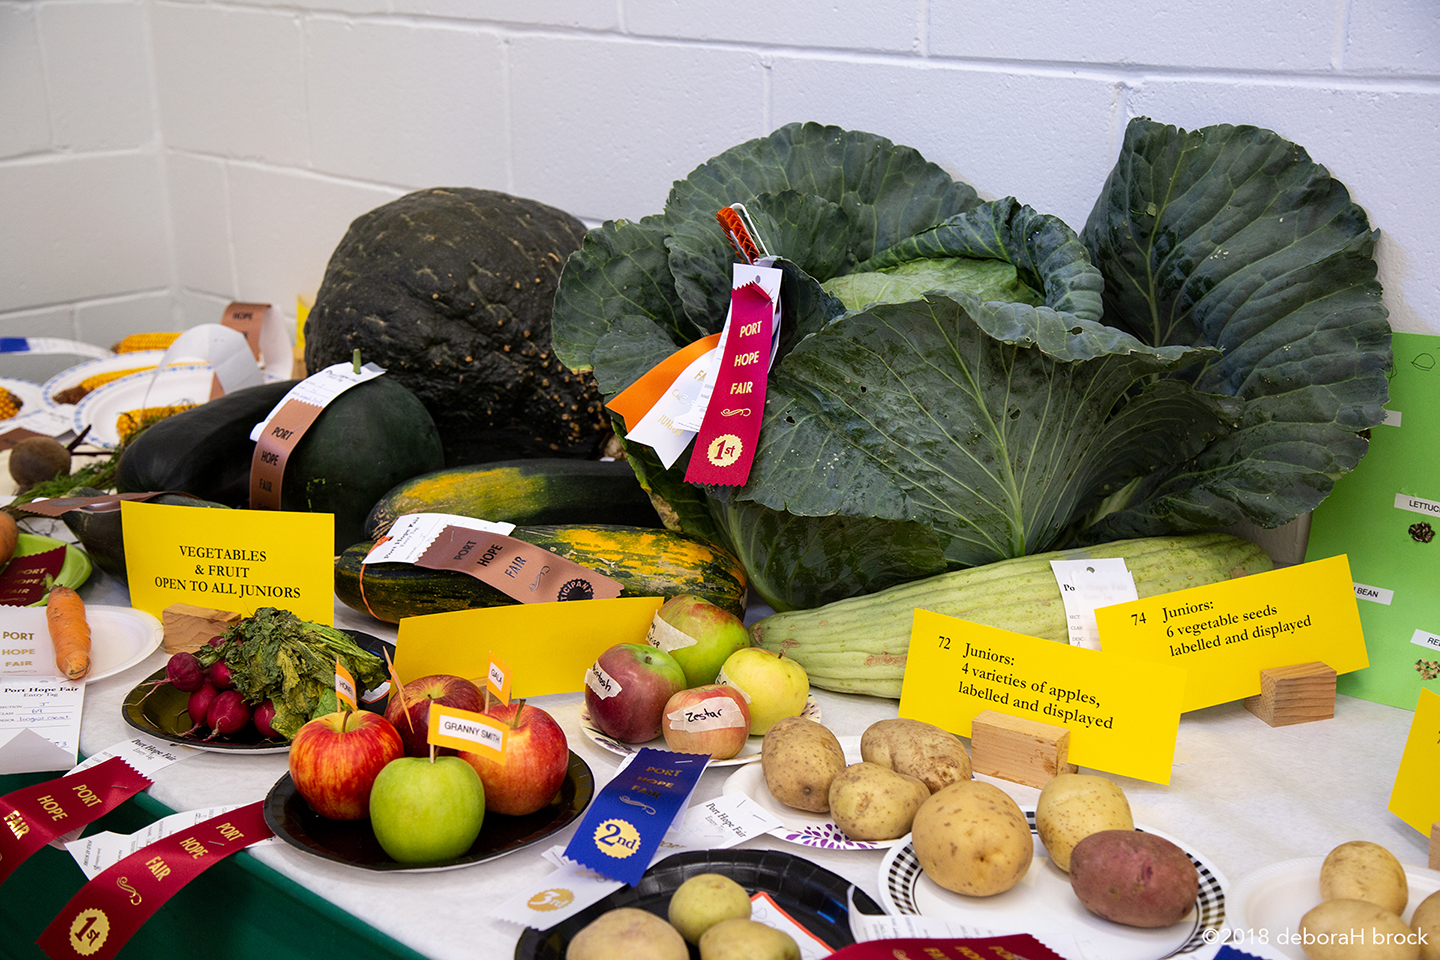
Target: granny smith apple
698,634
774,685
423,810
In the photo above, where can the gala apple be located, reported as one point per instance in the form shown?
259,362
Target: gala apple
410,711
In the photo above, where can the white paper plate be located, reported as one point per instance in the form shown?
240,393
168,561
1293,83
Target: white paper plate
1043,903
801,826
32,395
120,637
1274,898
102,407
749,752
74,376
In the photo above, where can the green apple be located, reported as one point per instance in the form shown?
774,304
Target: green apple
774,685
698,634
423,810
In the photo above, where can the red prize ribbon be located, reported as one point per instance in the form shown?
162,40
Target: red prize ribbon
725,445
1018,946
33,816
107,911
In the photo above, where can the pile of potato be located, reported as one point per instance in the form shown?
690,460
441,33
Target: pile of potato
1364,892
709,910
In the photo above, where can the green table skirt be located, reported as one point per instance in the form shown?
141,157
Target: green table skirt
238,909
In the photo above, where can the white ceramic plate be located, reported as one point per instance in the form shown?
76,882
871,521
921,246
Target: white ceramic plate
749,752
102,407
32,395
1042,903
801,826
120,637
1274,898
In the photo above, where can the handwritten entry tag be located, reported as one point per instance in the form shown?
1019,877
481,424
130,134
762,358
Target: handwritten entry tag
1414,798
1225,633
237,560
1122,712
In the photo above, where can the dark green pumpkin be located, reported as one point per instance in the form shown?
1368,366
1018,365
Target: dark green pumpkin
101,534
366,440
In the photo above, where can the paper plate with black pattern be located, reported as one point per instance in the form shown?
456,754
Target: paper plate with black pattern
1043,904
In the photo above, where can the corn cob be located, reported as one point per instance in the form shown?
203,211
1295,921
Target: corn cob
9,404
131,421
859,645
145,341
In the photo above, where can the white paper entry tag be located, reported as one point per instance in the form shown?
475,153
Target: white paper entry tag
1429,508
48,421
143,752
1363,591
100,851
1087,584
320,388
39,723
1426,639
659,428
411,535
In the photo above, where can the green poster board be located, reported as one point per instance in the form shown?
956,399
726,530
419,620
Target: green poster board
1385,516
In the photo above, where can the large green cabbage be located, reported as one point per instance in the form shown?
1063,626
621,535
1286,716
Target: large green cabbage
948,391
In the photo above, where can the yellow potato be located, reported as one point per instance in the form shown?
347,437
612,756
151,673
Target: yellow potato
799,758
705,900
746,940
1074,805
1361,870
918,749
871,802
972,838
1356,930
1426,920
624,934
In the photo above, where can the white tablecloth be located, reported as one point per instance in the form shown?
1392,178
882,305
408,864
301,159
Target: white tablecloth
1242,794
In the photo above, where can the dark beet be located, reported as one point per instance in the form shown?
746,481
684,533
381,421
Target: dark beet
228,714
185,672
261,718
199,706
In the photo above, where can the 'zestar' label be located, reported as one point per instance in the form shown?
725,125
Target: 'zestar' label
712,713
601,683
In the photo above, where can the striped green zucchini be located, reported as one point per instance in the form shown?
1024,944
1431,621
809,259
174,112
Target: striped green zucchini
859,645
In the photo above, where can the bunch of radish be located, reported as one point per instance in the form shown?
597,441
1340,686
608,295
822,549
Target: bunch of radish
214,703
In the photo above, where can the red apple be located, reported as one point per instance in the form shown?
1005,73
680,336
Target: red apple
335,759
711,718
410,713
537,757
626,689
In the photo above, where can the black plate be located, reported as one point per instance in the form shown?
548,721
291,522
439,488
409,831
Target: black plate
814,897
353,843
160,711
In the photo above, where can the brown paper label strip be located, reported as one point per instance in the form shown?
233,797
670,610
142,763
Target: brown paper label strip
518,569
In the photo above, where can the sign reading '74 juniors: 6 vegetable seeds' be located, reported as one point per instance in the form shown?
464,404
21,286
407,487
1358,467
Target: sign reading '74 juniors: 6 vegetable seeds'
1225,633
1122,713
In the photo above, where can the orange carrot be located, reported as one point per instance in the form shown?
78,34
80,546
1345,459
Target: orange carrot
9,537
65,615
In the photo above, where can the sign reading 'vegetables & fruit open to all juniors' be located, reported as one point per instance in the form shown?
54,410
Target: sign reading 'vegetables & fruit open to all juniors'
237,560
1122,712
1225,633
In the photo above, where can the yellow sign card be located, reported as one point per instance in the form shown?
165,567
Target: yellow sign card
1122,713
1225,633
237,560
1415,798
546,647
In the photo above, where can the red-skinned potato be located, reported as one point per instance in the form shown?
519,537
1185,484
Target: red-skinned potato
1134,878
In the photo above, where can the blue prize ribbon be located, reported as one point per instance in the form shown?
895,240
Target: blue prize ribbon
619,834
14,345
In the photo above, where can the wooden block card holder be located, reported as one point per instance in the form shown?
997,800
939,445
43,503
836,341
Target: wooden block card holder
1019,749
1298,693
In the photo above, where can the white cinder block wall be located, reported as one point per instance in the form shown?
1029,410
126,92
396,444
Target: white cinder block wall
159,158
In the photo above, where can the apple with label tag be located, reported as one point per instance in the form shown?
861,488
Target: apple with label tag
711,718
626,690
699,634
537,758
